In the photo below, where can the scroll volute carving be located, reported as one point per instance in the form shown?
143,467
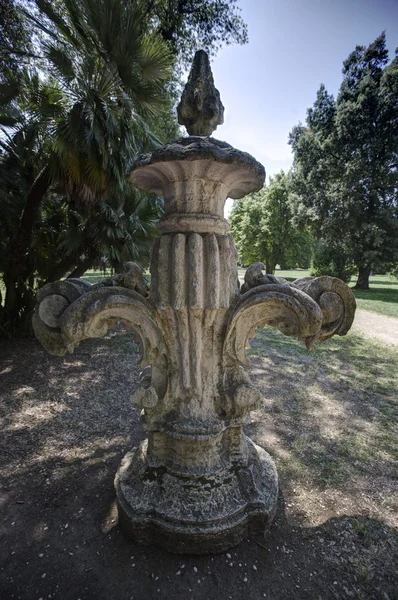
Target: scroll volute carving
68,312
336,301
290,310
310,309
51,302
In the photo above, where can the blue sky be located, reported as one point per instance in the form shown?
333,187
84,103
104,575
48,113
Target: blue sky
294,46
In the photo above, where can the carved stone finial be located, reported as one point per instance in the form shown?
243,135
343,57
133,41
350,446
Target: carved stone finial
200,109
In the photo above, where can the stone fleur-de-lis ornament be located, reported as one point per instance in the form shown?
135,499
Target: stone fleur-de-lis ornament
197,484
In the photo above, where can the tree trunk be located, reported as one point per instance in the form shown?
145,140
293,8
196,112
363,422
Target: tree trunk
363,278
22,242
62,268
270,267
83,266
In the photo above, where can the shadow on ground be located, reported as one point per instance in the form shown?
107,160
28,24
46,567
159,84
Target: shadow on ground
67,422
70,546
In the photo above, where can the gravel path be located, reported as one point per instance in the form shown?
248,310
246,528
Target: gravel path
373,326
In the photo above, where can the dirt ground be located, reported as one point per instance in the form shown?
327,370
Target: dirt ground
329,420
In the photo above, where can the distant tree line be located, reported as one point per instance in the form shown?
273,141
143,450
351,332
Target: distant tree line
264,230
343,187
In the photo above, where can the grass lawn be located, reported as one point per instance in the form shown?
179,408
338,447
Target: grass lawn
332,438
94,276
382,298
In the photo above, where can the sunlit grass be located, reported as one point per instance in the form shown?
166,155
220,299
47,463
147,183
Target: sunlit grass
338,404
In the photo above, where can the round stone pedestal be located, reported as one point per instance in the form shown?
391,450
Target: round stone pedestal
196,514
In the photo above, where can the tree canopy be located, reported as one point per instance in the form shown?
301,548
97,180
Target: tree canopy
14,36
94,87
345,173
263,229
190,25
85,120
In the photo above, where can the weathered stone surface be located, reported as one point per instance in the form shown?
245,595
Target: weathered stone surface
336,301
288,309
195,177
46,317
72,310
197,484
255,276
333,296
200,109
187,512
216,161
51,308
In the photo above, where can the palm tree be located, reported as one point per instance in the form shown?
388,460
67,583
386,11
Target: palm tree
22,155
105,77
112,232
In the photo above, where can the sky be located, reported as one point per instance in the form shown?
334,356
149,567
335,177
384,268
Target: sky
267,85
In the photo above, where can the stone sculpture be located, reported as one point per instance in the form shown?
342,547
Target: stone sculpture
200,109
197,484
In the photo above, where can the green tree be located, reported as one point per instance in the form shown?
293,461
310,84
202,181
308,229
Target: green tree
71,239
188,26
330,259
70,134
14,36
106,74
345,174
263,229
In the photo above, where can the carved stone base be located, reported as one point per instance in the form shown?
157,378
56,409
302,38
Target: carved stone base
196,514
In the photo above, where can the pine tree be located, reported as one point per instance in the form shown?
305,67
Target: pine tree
346,162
